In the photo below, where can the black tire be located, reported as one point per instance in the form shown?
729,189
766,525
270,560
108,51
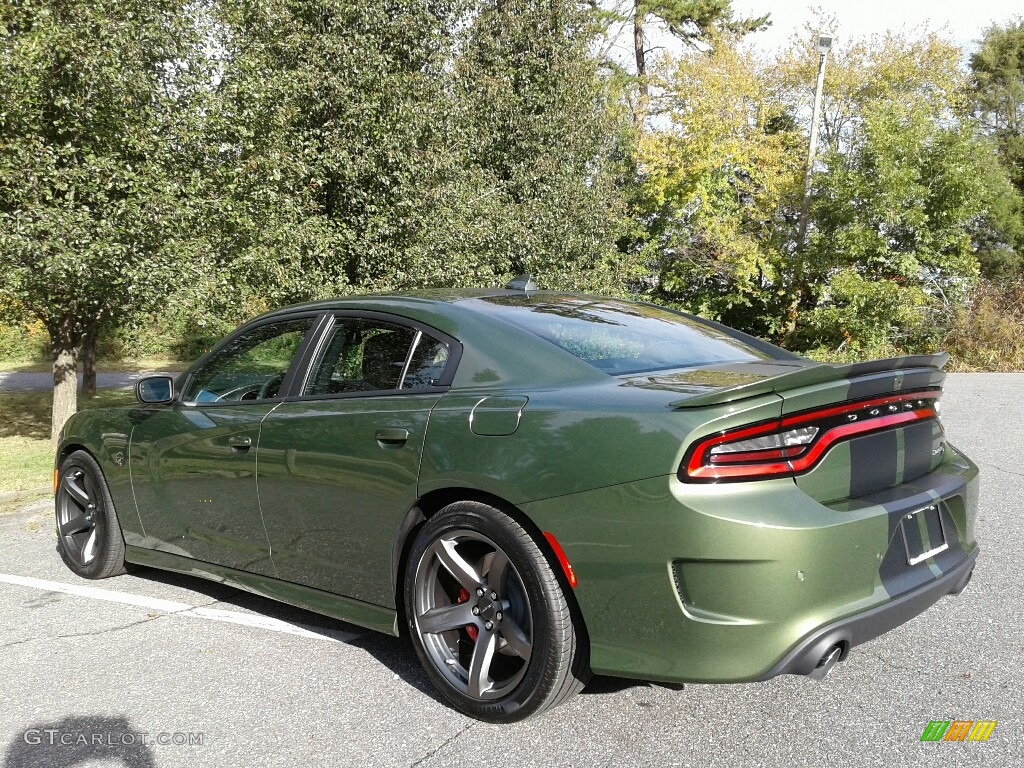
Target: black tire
502,658
89,537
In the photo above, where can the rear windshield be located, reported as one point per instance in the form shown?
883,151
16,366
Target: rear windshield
619,337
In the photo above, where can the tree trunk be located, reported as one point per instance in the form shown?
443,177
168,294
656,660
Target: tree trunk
89,363
644,97
65,382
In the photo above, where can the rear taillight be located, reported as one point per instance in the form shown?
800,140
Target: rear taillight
794,444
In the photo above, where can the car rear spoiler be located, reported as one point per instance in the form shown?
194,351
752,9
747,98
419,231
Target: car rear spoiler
815,373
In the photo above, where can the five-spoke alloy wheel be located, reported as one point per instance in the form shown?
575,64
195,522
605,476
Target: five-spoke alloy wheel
88,535
488,616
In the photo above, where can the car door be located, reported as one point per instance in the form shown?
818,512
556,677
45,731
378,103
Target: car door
193,461
339,461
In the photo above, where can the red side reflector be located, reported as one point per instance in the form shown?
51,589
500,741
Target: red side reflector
562,559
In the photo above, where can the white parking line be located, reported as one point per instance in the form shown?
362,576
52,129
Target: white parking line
172,608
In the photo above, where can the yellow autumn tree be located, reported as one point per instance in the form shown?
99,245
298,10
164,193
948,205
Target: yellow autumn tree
718,184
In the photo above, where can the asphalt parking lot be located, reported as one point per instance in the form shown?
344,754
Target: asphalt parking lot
154,669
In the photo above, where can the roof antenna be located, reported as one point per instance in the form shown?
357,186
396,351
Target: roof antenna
522,283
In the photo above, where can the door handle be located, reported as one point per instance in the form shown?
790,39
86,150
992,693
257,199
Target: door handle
392,437
239,443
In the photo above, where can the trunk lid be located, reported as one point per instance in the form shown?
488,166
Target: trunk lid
854,464
727,382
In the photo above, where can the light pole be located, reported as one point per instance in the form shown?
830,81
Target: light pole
823,46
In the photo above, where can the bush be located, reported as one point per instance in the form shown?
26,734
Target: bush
859,319
987,334
25,342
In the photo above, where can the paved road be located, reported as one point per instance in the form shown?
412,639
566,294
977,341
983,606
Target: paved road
266,685
19,381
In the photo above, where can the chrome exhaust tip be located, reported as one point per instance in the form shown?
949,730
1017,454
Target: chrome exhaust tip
827,662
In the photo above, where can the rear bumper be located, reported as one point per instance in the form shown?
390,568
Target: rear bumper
742,582
869,624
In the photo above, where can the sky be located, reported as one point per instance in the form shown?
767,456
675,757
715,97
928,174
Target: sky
861,18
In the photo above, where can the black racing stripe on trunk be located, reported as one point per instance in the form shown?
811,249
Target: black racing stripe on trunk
873,463
918,440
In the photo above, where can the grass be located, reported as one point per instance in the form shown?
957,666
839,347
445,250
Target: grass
26,457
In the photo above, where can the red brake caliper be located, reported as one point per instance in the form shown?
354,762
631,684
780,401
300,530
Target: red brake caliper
471,629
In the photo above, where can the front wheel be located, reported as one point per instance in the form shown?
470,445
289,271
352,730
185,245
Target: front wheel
488,617
88,535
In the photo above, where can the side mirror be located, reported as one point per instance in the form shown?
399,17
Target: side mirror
154,389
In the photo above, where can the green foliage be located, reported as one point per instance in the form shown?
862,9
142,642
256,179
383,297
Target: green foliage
698,20
899,204
99,99
24,341
94,96
327,116
906,197
895,217
452,145
997,80
168,169
858,314
997,70
537,141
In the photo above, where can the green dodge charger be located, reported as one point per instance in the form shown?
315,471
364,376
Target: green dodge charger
537,486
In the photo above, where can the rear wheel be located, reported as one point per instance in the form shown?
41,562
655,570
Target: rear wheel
488,617
88,535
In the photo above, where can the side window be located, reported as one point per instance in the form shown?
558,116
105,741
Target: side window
373,355
426,364
251,367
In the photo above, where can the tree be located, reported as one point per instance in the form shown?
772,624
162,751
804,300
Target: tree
997,81
906,196
459,144
95,95
997,77
537,136
893,220
718,190
905,192
329,123
693,22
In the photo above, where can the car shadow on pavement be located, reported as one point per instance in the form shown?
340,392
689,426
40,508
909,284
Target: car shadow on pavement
395,653
79,739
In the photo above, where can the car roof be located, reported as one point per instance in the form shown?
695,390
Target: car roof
495,353
416,298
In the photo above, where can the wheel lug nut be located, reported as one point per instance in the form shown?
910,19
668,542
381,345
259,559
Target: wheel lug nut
489,626
476,610
479,591
498,615
494,595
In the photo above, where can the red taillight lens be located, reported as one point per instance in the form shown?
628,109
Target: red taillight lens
794,444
